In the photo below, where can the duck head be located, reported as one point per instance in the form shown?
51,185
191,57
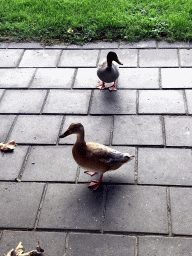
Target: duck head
112,56
74,128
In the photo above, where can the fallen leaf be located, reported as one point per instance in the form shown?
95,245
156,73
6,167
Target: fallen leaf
8,146
19,251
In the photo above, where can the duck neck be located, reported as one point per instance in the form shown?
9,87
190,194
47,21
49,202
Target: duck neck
109,62
80,137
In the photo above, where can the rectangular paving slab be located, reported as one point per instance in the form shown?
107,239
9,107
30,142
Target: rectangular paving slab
86,78
78,58
125,174
53,78
16,77
72,206
97,129
176,78
19,204
161,102
53,243
164,166
98,244
186,57
113,102
169,246
158,58
10,58
50,163
33,129
180,199
67,102
189,100
6,122
11,163
178,131
136,209
138,78
40,58
137,130
22,101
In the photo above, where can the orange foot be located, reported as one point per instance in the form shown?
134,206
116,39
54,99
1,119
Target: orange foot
112,87
96,183
90,173
101,86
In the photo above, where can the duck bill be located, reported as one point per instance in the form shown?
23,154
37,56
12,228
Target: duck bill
132,157
119,62
65,134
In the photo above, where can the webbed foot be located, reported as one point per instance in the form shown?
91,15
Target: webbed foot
112,87
90,173
101,86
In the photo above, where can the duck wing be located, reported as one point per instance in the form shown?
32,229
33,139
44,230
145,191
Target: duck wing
106,154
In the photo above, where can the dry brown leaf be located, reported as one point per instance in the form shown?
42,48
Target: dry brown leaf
8,146
18,251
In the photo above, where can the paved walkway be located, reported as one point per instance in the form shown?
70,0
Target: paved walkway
142,209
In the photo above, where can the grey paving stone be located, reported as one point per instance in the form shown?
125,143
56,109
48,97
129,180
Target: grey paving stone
178,131
67,102
189,100
40,58
10,58
32,129
164,166
158,58
78,58
127,56
101,45
86,78
181,208
137,130
3,45
19,204
72,206
53,243
113,102
161,102
98,244
11,163
165,44
186,57
16,78
53,78
176,77
22,101
139,44
1,92
169,246
5,125
97,129
26,45
56,46
125,174
50,163
136,209
139,78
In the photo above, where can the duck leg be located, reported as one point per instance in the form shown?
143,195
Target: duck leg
112,87
101,86
96,183
90,173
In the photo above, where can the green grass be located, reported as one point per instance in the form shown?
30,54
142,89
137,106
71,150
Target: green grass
79,21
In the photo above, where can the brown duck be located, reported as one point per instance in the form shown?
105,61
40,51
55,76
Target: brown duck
94,157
